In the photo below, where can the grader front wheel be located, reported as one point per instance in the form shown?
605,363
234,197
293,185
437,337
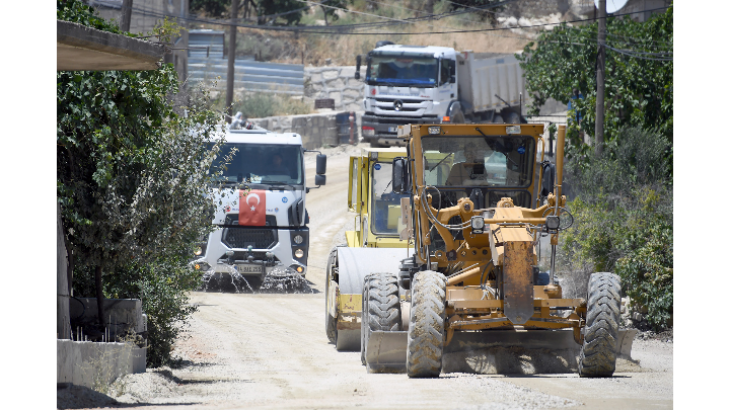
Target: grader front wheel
426,332
598,354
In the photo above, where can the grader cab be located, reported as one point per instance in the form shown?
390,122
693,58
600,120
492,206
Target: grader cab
475,216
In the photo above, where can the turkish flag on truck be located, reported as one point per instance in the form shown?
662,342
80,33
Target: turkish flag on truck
252,208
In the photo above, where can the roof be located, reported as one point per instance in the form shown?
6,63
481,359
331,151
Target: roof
85,48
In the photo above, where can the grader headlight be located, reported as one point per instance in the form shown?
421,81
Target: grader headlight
552,222
477,224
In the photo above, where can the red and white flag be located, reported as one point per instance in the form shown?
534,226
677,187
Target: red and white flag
252,208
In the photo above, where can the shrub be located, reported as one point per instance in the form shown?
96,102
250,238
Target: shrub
623,220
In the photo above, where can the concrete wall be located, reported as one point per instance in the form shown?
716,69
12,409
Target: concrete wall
122,314
317,130
337,83
95,365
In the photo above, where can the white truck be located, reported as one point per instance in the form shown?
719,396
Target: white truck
433,85
260,217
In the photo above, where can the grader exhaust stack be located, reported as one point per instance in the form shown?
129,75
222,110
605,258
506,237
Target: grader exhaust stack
477,214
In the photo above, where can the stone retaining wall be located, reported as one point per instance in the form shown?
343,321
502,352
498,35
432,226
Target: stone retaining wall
338,83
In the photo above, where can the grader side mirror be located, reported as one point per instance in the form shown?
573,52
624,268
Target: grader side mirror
400,175
548,179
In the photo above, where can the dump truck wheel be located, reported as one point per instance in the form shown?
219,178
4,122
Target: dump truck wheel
383,308
598,354
426,331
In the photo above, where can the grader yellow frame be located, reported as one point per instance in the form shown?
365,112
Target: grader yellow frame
483,274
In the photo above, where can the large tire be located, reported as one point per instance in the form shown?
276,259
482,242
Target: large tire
364,317
511,117
426,331
330,323
383,308
598,354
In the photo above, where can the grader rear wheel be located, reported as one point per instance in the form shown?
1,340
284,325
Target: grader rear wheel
426,332
382,305
598,354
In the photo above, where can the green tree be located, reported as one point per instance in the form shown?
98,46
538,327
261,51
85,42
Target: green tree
639,77
134,186
212,8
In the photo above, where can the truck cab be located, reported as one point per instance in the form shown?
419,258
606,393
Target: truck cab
260,216
407,85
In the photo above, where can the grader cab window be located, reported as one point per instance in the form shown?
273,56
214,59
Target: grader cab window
478,161
386,218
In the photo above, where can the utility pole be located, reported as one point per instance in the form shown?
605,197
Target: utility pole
126,15
600,73
231,60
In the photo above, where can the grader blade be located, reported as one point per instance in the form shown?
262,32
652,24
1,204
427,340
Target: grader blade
386,352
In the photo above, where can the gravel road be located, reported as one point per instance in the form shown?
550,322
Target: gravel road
270,351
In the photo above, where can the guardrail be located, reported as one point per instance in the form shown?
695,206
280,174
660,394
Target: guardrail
249,75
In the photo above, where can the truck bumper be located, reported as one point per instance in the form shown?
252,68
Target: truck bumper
283,249
384,130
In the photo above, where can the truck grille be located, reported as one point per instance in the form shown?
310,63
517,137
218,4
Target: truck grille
244,237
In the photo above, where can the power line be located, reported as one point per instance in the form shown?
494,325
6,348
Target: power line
342,29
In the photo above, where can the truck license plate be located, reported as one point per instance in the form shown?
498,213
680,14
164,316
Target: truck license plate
250,268
392,129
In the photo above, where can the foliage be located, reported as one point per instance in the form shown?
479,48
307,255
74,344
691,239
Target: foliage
162,286
258,105
213,8
166,30
638,90
623,218
77,12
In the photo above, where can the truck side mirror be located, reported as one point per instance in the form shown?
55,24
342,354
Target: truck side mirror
548,179
320,180
358,61
321,165
400,175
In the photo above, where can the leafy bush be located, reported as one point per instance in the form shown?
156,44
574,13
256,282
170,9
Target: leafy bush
623,220
258,105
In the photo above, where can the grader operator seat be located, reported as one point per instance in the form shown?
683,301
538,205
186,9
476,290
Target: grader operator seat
471,171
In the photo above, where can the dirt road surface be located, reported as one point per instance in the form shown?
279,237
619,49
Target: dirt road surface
270,351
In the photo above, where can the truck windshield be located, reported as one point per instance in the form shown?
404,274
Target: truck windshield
261,164
386,218
498,161
403,71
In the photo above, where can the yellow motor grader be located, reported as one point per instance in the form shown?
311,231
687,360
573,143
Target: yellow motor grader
478,202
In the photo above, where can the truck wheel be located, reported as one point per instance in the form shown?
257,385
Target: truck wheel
426,331
330,323
598,353
497,119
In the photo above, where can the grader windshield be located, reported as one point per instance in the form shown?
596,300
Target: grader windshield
498,165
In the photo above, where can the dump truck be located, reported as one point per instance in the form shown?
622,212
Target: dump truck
478,202
432,85
377,225
261,219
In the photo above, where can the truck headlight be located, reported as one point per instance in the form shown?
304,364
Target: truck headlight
299,253
477,224
198,251
298,239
